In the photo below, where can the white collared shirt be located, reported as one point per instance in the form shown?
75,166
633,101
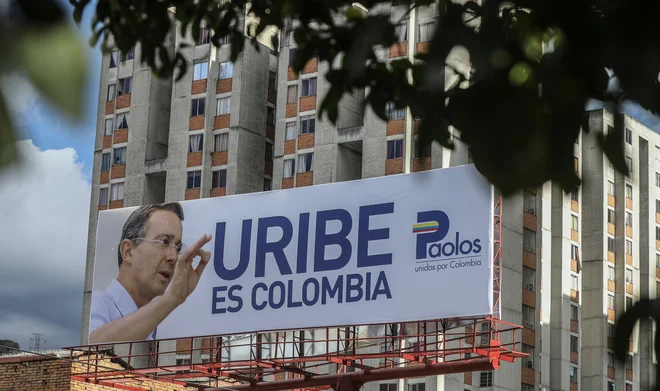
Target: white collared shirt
113,303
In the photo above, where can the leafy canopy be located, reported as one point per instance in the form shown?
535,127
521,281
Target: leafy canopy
535,65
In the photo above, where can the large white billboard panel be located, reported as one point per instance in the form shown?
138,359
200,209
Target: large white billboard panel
389,249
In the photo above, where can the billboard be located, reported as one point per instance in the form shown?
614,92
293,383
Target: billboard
388,249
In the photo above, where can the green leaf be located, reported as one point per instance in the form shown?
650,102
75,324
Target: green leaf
54,61
8,152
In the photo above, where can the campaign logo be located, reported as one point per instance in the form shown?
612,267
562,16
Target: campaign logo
432,241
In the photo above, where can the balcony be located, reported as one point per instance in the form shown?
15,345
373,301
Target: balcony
422,164
629,260
611,257
575,296
291,110
198,87
527,376
611,201
467,378
422,47
529,221
287,183
311,66
219,158
575,326
629,375
290,147
394,126
610,228
611,315
629,203
611,286
610,373
307,103
196,122
221,121
528,297
124,101
399,49
109,107
118,171
574,357
192,194
194,159
120,136
574,265
304,179
105,176
116,204
629,289
575,236
529,259
218,192
107,142
657,218
574,386
223,86
306,141
575,206
529,337
393,166
291,75
629,231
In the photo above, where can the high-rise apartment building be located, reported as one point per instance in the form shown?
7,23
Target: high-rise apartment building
571,263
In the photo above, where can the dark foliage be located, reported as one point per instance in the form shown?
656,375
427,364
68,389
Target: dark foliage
8,346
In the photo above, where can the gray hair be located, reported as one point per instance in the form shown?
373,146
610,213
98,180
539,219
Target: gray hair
136,224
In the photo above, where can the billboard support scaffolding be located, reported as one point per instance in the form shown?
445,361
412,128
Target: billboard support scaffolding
497,256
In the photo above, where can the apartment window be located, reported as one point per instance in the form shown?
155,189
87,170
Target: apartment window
529,240
220,142
117,191
629,387
292,94
610,273
523,387
401,31
225,40
611,216
197,106
528,315
307,124
103,196
268,184
574,223
574,194
129,55
111,93
219,179
292,56
610,330
272,80
308,87
529,201
629,363
290,131
422,152
105,161
657,179
629,302
125,86
486,379
629,163
223,106
629,136
306,162
610,360
394,112
196,143
610,188
426,32
395,149
629,219
226,70
108,127
119,156
657,261
194,179
610,386
574,283
629,276
200,70
576,164
122,121
574,312
574,252
657,233
528,361
114,57
657,206
574,343
610,302
268,155
629,191
204,36
387,387
417,387
657,152
528,278
289,168
270,116
610,244
573,374
628,247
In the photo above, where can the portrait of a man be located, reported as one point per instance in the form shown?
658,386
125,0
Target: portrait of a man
151,259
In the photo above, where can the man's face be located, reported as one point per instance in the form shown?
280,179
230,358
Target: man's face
153,263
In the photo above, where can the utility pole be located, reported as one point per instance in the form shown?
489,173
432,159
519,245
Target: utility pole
35,342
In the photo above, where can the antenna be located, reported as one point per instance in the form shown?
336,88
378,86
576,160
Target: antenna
35,341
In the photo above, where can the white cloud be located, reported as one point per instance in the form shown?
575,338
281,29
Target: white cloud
44,209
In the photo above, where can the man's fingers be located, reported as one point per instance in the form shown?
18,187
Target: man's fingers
194,250
205,255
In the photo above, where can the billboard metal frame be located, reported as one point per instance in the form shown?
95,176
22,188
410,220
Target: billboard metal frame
406,350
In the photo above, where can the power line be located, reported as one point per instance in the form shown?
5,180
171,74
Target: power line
125,371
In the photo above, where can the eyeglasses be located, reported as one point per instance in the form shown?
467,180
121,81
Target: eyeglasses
165,243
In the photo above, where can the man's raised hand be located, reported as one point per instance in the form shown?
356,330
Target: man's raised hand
185,276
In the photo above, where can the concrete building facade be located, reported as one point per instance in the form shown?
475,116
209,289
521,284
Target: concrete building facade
571,263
